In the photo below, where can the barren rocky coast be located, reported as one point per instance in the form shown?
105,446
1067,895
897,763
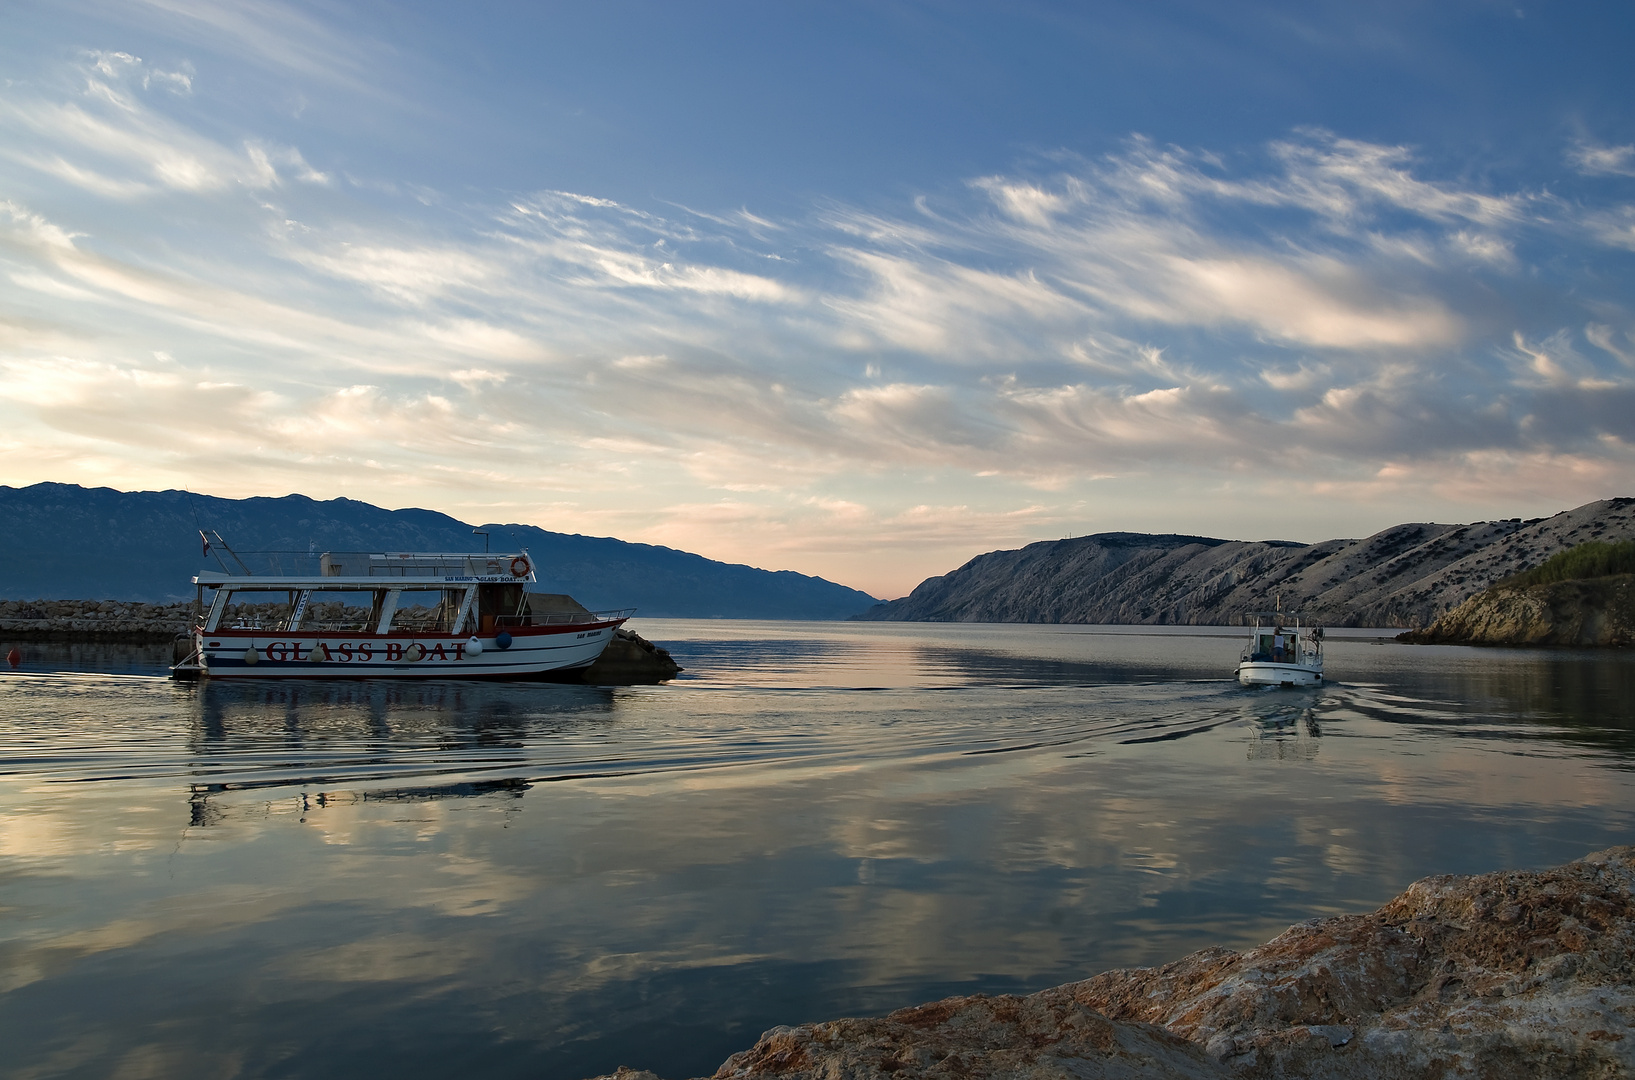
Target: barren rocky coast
1499,976
1405,576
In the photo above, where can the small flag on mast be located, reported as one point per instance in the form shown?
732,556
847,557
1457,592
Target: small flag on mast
205,540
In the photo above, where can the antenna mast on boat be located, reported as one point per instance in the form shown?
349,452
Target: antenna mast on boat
210,544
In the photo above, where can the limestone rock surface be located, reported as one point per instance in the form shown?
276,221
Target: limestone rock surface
1504,975
1044,1035
1500,976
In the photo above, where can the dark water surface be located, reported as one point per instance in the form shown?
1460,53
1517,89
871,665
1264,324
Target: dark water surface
324,879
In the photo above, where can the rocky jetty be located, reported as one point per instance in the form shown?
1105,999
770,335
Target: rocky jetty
1502,976
92,620
1406,576
1591,613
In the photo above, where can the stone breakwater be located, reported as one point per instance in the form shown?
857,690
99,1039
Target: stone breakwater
92,620
1502,976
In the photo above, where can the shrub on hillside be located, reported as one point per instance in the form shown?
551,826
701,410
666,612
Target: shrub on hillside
1594,559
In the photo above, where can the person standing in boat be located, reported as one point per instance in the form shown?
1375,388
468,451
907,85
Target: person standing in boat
1277,645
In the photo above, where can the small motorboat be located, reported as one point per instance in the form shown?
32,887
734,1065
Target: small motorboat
1281,651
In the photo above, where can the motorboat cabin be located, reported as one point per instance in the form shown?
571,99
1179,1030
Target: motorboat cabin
1281,651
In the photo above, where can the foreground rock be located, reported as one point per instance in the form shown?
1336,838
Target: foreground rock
1507,975
1592,613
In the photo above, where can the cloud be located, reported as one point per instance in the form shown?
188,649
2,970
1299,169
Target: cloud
1612,226
1605,338
1023,201
110,142
1138,236
962,367
277,36
1593,160
411,275
1343,179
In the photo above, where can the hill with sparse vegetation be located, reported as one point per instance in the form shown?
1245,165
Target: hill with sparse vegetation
1406,576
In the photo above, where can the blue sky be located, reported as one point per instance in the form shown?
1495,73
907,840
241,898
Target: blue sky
857,290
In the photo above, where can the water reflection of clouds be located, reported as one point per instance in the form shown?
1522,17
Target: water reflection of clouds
745,852
830,657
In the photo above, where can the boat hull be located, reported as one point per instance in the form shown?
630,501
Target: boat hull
1272,673
271,654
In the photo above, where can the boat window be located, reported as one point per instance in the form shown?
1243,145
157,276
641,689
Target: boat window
218,609
332,611
255,609
426,611
500,605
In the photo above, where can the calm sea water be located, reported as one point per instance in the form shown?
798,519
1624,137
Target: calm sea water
318,880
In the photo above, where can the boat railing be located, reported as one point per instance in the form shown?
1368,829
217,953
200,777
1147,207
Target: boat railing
378,564
564,618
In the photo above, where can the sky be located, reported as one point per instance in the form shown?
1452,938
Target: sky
858,290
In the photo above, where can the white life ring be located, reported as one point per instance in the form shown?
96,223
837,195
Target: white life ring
519,567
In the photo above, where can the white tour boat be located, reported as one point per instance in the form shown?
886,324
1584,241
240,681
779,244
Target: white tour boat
421,615
1282,652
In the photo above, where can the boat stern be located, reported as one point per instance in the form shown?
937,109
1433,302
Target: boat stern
1262,673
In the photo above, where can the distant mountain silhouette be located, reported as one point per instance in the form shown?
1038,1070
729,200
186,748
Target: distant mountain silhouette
63,541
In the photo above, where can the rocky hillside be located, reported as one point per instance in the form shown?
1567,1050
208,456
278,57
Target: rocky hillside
1504,976
1406,576
1593,613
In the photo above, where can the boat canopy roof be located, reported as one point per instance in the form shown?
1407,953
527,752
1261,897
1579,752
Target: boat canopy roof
335,570
1286,618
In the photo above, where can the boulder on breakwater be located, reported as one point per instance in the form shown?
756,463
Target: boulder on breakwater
1501,976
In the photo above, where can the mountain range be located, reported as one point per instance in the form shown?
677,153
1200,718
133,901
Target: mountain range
63,541
1405,576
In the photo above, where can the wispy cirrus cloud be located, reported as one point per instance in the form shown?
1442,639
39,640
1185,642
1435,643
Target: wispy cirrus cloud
1600,160
108,141
278,36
